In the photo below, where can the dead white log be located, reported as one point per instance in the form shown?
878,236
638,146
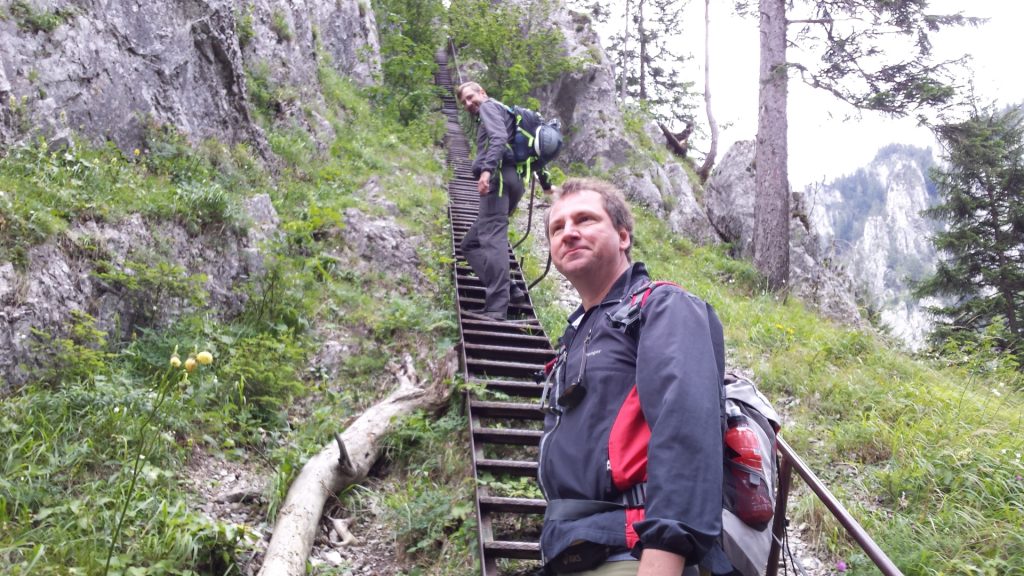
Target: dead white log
327,473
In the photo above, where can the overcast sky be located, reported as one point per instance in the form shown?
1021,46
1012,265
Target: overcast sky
824,141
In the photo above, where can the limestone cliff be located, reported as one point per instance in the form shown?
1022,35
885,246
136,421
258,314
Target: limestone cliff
104,69
872,223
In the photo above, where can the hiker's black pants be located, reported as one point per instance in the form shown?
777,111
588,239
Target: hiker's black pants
485,245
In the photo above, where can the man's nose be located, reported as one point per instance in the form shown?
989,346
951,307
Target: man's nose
570,230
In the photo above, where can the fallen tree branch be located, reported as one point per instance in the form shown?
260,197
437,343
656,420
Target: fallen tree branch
346,461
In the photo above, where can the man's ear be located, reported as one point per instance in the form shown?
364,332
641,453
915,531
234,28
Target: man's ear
625,241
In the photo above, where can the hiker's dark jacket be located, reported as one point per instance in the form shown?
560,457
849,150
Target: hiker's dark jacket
495,127
495,124
677,366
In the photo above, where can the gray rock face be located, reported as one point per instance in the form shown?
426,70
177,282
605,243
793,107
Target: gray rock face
381,243
60,278
112,65
687,216
587,104
729,197
585,100
889,243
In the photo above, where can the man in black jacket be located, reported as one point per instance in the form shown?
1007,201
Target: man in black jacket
631,457
485,245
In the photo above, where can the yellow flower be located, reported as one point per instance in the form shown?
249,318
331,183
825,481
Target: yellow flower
190,364
136,152
204,357
175,361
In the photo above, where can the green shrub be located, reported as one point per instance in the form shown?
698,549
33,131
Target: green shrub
279,25
169,154
80,356
408,39
244,27
30,20
516,62
434,525
263,371
149,289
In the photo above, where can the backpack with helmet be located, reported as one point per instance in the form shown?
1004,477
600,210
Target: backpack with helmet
533,140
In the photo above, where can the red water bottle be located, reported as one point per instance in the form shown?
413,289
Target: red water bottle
753,504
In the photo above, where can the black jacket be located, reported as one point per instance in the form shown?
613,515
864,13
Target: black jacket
677,365
492,132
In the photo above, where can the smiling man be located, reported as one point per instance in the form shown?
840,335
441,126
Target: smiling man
631,457
485,245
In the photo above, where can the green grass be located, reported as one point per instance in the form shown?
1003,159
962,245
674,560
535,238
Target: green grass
73,434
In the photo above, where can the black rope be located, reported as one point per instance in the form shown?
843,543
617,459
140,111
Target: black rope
546,270
529,214
797,569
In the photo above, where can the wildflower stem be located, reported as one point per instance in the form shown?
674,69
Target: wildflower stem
164,387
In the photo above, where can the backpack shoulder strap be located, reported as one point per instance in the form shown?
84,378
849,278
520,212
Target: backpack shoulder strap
629,312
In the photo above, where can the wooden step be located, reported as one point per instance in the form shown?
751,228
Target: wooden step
478,366
514,550
524,388
509,436
539,356
523,468
512,505
491,409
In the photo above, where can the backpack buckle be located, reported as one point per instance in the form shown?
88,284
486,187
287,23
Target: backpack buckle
625,316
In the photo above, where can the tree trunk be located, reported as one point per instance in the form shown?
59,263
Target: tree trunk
625,52
642,39
771,205
334,468
709,159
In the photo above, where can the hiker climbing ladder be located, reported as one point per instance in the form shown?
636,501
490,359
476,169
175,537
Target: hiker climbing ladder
501,358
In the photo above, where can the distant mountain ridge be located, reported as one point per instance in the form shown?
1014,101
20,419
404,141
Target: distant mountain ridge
871,222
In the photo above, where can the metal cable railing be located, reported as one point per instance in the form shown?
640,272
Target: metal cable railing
790,461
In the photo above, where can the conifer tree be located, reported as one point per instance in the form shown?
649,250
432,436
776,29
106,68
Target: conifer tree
982,204
857,64
648,61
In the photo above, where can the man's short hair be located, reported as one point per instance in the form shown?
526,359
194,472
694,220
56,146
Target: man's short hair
612,198
467,86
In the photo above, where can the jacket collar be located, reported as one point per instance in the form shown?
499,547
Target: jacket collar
628,282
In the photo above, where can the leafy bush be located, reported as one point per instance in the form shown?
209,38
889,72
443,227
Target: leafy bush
433,524
244,27
279,26
517,44
263,372
30,20
150,288
81,356
408,39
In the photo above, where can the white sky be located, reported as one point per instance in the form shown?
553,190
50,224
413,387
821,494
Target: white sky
823,143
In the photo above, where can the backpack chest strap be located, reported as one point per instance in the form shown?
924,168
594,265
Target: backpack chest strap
573,509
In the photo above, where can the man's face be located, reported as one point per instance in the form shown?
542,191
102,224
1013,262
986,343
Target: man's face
584,243
472,100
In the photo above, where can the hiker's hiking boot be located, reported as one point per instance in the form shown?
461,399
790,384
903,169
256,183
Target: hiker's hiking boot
517,296
484,315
